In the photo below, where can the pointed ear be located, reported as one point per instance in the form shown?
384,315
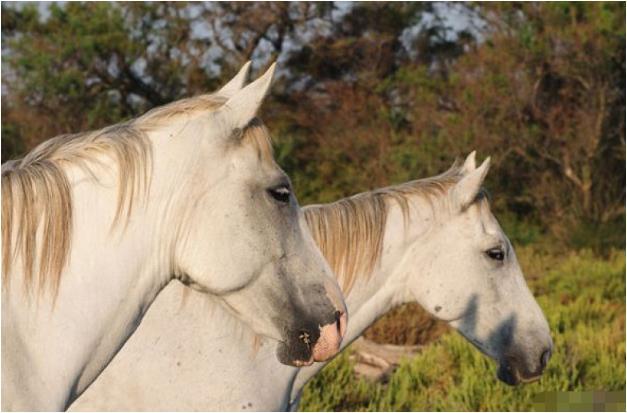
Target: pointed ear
235,84
242,107
470,164
465,191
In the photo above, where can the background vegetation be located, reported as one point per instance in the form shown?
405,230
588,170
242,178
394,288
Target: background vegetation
371,94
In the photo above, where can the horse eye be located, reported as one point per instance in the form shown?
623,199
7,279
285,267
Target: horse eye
281,193
496,254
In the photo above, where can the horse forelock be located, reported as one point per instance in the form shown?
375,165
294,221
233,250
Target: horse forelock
257,135
350,232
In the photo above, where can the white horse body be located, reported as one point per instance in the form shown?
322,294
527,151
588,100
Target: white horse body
209,216
426,256
231,350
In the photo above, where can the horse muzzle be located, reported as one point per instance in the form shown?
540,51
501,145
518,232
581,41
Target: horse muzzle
514,371
313,343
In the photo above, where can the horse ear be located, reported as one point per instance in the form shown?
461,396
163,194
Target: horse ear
470,164
237,83
465,191
242,107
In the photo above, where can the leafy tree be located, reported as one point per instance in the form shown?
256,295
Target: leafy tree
368,94
546,93
87,65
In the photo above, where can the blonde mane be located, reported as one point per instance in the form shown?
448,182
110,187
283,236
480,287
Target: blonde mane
349,232
37,194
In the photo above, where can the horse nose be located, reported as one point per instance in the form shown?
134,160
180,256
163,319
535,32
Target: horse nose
331,335
544,358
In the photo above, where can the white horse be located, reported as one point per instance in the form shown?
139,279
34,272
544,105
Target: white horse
433,241
94,225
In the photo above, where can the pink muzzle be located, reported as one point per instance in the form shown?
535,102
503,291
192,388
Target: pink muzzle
328,344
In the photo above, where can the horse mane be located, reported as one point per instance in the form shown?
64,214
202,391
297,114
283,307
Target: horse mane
349,232
36,191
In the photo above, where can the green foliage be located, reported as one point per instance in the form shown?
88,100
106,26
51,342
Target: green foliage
520,232
11,142
583,297
337,389
599,236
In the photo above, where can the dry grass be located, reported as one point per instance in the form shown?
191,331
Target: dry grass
407,325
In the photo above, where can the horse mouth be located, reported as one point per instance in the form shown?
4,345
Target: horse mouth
512,376
302,363
526,380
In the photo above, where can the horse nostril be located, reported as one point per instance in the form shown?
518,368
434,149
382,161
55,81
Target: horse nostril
544,359
305,337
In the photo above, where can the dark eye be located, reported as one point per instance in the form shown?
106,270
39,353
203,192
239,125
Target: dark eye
281,193
496,253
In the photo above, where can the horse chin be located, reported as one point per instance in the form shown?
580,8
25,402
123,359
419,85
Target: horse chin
300,363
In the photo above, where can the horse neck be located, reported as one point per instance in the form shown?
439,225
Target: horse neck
374,295
139,248
114,270
139,243
159,226
122,267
